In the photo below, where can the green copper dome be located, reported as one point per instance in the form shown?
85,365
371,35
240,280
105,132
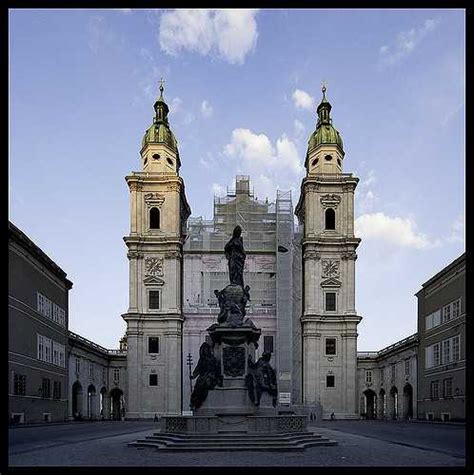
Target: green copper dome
159,131
325,133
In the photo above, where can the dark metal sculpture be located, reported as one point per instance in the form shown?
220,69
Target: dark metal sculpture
233,298
261,378
208,374
235,254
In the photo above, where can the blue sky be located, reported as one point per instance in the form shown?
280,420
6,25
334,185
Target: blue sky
242,87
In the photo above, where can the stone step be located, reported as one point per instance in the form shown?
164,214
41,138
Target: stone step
212,442
235,439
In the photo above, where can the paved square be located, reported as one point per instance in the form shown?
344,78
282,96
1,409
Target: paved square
360,443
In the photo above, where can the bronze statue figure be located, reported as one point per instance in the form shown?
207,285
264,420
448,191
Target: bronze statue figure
235,254
261,377
208,374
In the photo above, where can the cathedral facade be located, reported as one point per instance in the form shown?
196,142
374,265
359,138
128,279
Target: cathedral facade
302,281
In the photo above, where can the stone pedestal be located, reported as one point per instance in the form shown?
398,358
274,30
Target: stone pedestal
232,346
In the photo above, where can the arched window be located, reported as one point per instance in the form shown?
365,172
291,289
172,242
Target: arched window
330,219
154,218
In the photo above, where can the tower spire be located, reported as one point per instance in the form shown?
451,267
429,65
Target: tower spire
324,108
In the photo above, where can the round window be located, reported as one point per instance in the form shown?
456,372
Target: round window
328,157
156,156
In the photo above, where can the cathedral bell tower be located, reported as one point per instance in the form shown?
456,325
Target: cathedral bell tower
329,319
158,214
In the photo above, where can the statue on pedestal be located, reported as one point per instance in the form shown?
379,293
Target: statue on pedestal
208,374
261,378
235,254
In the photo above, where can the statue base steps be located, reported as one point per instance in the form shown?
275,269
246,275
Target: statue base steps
226,442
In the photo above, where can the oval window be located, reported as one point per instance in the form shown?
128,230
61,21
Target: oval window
328,157
315,162
156,156
168,159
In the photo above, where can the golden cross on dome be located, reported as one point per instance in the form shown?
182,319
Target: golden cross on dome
161,85
324,86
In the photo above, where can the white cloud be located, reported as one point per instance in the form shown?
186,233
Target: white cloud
302,100
395,230
406,42
299,128
366,197
99,34
175,105
230,34
457,230
270,166
206,109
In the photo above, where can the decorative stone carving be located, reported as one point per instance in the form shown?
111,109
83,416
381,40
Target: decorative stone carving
152,280
135,186
330,201
153,199
349,255
331,282
134,255
330,268
312,255
154,266
234,360
173,255
173,187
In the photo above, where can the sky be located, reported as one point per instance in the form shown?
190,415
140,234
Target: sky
243,87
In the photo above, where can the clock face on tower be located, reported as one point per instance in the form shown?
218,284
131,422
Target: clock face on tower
154,266
330,268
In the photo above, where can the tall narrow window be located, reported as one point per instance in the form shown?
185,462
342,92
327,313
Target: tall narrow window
153,344
154,218
154,299
368,376
330,346
268,344
330,221
331,301
153,381
330,381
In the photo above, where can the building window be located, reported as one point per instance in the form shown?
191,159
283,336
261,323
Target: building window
393,368
436,355
153,344
433,320
382,375
46,387
330,346
446,313
407,367
448,387
19,384
91,370
330,301
315,162
446,351
153,380
456,308
268,344
104,374
78,365
44,348
328,158
57,389
154,299
116,374
456,351
330,381
154,218
368,376
330,219
434,393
